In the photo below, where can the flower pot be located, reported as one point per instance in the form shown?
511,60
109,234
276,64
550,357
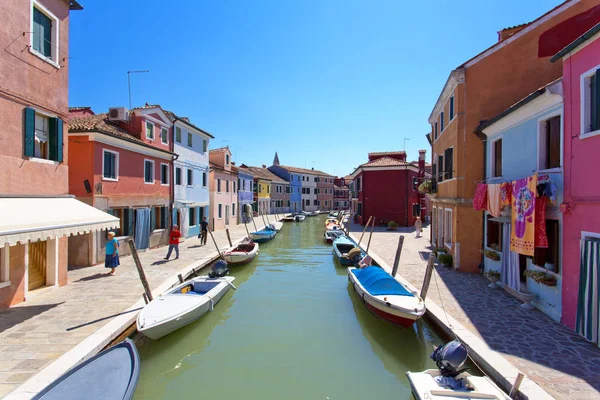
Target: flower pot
493,280
527,298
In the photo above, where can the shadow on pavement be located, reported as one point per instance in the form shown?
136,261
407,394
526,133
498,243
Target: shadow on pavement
16,315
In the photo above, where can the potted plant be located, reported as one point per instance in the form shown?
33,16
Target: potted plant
392,225
491,254
493,277
425,187
541,277
445,260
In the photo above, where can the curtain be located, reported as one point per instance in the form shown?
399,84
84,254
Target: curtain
509,274
142,228
185,223
588,304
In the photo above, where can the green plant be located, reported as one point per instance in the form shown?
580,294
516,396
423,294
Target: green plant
541,277
491,254
392,224
493,274
425,187
445,259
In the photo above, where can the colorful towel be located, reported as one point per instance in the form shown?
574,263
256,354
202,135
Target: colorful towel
480,199
522,238
505,193
493,200
541,239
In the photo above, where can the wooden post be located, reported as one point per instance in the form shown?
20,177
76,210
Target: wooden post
215,242
267,215
246,226
255,228
364,230
370,235
228,237
263,218
427,279
397,258
516,385
138,265
180,278
145,298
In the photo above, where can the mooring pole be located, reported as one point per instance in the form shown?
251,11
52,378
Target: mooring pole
180,277
255,228
263,218
267,215
427,279
215,242
370,235
516,385
138,266
364,230
228,237
398,252
246,226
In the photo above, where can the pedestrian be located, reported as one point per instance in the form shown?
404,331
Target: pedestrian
174,242
418,227
112,253
203,231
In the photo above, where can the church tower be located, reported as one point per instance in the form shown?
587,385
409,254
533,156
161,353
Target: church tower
276,159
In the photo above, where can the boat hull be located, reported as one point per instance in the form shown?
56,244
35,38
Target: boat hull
240,257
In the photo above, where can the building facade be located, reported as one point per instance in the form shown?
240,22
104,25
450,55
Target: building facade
325,192
190,174
223,190
478,90
294,180
245,192
341,198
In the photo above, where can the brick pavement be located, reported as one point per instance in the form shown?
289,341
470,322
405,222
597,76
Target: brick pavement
52,321
560,361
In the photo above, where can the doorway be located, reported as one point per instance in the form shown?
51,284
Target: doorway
37,266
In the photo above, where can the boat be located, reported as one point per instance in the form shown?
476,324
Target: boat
346,251
182,305
331,221
331,235
451,381
385,296
299,217
276,225
288,218
111,374
312,213
263,235
241,253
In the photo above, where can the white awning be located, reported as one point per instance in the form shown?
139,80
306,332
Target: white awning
32,219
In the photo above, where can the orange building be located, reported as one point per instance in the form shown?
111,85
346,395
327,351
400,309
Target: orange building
477,90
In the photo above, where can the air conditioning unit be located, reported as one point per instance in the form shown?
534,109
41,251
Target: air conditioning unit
118,114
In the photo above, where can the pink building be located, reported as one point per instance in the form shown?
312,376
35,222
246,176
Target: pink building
581,207
223,190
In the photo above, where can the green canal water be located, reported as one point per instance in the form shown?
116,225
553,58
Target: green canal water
294,329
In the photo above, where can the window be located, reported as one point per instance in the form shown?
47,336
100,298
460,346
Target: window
497,158
226,186
178,135
549,257
43,136
220,215
494,234
178,176
164,174
442,121
218,186
204,145
4,266
148,171
44,34
307,202
125,216
233,183
149,130
268,188
233,209
259,188
163,136
448,227
189,139
42,133
159,219
416,210
358,184
415,183
192,216
190,177
448,158
590,103
316,179
315,203
549,145
227,159
291,189
451,108
440,165
204,179
110,164
359,209
435,131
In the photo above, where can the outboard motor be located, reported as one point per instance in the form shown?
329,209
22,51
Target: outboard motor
450,358
219,269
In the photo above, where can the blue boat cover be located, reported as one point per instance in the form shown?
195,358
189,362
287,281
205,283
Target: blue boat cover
379,283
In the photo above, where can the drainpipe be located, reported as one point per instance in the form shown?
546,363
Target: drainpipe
483,139
172,181
406,203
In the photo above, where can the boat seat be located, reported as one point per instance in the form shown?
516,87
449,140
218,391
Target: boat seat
196,293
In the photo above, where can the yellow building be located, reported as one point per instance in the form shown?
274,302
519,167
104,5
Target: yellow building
262,195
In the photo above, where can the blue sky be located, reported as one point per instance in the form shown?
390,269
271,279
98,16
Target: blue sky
322,82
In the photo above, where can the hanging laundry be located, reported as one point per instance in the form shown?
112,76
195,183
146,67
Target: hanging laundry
522,238
546,187
541,239
494,205
480,199
505,193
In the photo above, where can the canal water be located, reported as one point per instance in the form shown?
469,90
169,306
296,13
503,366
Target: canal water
294,329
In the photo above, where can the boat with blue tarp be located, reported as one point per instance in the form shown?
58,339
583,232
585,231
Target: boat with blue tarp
264,235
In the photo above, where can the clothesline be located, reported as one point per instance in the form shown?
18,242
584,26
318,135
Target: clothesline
516,179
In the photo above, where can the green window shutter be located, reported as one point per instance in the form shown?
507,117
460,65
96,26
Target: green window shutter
152,218
29,139
595,101
129,222
59,140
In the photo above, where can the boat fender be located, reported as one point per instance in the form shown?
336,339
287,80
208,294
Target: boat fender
212,305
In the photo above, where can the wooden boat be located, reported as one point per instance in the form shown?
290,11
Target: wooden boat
242,253
331,221
331,235
425,386
385,296
346,251
111,374
276,225
263,235
182,305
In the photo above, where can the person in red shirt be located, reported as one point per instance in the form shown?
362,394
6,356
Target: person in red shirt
174,242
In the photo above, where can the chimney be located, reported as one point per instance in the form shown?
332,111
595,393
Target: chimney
508,32
233,163
186,119
264,166
313,168
422,161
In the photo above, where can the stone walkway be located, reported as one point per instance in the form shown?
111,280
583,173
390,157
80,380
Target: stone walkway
560,361
52,321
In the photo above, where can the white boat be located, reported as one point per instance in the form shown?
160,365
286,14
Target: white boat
425,386
384,296
241,253
182,305
276,225
299,217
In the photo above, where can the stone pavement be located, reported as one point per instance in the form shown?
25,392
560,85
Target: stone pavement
53,321
560,361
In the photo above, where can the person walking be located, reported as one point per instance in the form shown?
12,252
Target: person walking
112,253
203,231
418,227
174,242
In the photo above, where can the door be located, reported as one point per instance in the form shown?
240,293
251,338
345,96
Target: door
440,228
142,228
226,214
37,265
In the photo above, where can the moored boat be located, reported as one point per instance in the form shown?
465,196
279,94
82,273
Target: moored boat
182,305
241,253
299,217
385,296
263,235
288,218
347,252
331,221
331,235
112,374
276,225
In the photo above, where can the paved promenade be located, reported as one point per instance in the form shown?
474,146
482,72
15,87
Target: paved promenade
53,321
561,362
